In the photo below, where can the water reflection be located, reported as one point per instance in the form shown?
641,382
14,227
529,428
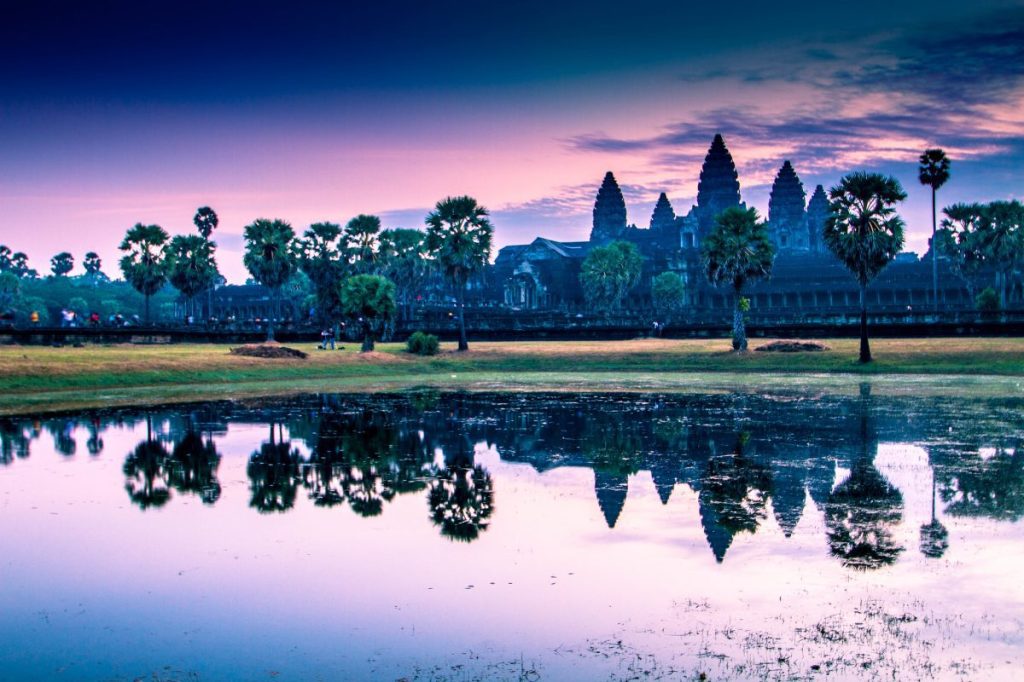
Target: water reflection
749,460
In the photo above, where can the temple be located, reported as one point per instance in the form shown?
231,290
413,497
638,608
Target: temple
544,275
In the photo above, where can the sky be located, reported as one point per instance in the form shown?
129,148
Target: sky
113,113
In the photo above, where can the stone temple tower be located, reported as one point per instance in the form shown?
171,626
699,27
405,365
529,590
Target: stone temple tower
817,214
787,221
719,186
609,212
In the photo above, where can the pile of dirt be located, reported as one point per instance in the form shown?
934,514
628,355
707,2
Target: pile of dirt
793,347
269,350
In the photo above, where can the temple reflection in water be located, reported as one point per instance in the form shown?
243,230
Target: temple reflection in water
745,457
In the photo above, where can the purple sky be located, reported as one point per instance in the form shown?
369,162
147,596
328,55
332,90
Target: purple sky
115,114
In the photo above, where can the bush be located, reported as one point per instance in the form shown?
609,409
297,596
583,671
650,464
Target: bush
987,301
422,344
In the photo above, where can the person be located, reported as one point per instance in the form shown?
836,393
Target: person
323,339
34,318
67,317
330,337
94,319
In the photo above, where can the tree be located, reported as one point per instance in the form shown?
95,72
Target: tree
191,266
5,258
1001,237
62,264
361,238
206,221
959,241
401,257
94,268
20,268
934,172
369,300
10,291
143,264
269,258
735,251
608,273
668,292
459,237
321,258
865,232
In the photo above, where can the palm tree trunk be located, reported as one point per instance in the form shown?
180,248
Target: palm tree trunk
739,330
147,310
367,339
935,261
460,301
865,349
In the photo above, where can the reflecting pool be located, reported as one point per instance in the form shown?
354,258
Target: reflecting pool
464,536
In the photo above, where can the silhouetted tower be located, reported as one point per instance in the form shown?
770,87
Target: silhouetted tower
787,222
609,211
663,217
719,186
817,215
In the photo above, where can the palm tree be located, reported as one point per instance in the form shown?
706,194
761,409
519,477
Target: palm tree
321,258
864,232
206,221
144,264
1001,236
735,251
459,238
402,259
959,240
370,301
934,172
191,266
269,258
361,235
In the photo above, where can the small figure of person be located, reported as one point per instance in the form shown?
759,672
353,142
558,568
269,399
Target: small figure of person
323,339
94,319
67,318
34,318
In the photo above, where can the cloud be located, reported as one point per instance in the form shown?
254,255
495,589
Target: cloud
876,100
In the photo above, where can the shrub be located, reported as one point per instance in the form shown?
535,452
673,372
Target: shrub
987,301
422,344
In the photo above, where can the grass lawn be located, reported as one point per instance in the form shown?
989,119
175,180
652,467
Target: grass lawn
43,378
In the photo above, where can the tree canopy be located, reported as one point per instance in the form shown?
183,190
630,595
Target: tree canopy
368,300
143,264
609,272
62,264
206,221
192,268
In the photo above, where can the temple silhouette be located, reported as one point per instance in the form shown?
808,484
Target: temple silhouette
544,274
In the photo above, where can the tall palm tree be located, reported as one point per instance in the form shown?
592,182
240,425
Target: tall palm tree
144,264
361,235
934,172
1001,236
206,221
735,251
459,237
192,268
864,232
321,258
269,258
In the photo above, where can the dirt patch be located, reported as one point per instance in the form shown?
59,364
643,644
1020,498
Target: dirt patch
793,347
377,356
270,351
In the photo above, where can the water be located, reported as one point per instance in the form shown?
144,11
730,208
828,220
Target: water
538,536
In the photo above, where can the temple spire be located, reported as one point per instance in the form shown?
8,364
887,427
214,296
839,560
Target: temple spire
817,214
786,217
663,217
719,186
609,211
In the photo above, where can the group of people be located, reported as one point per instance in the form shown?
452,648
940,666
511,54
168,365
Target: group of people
70,318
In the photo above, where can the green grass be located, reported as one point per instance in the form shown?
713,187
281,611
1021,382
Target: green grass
39,378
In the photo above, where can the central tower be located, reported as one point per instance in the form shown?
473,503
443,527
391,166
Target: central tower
719,186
